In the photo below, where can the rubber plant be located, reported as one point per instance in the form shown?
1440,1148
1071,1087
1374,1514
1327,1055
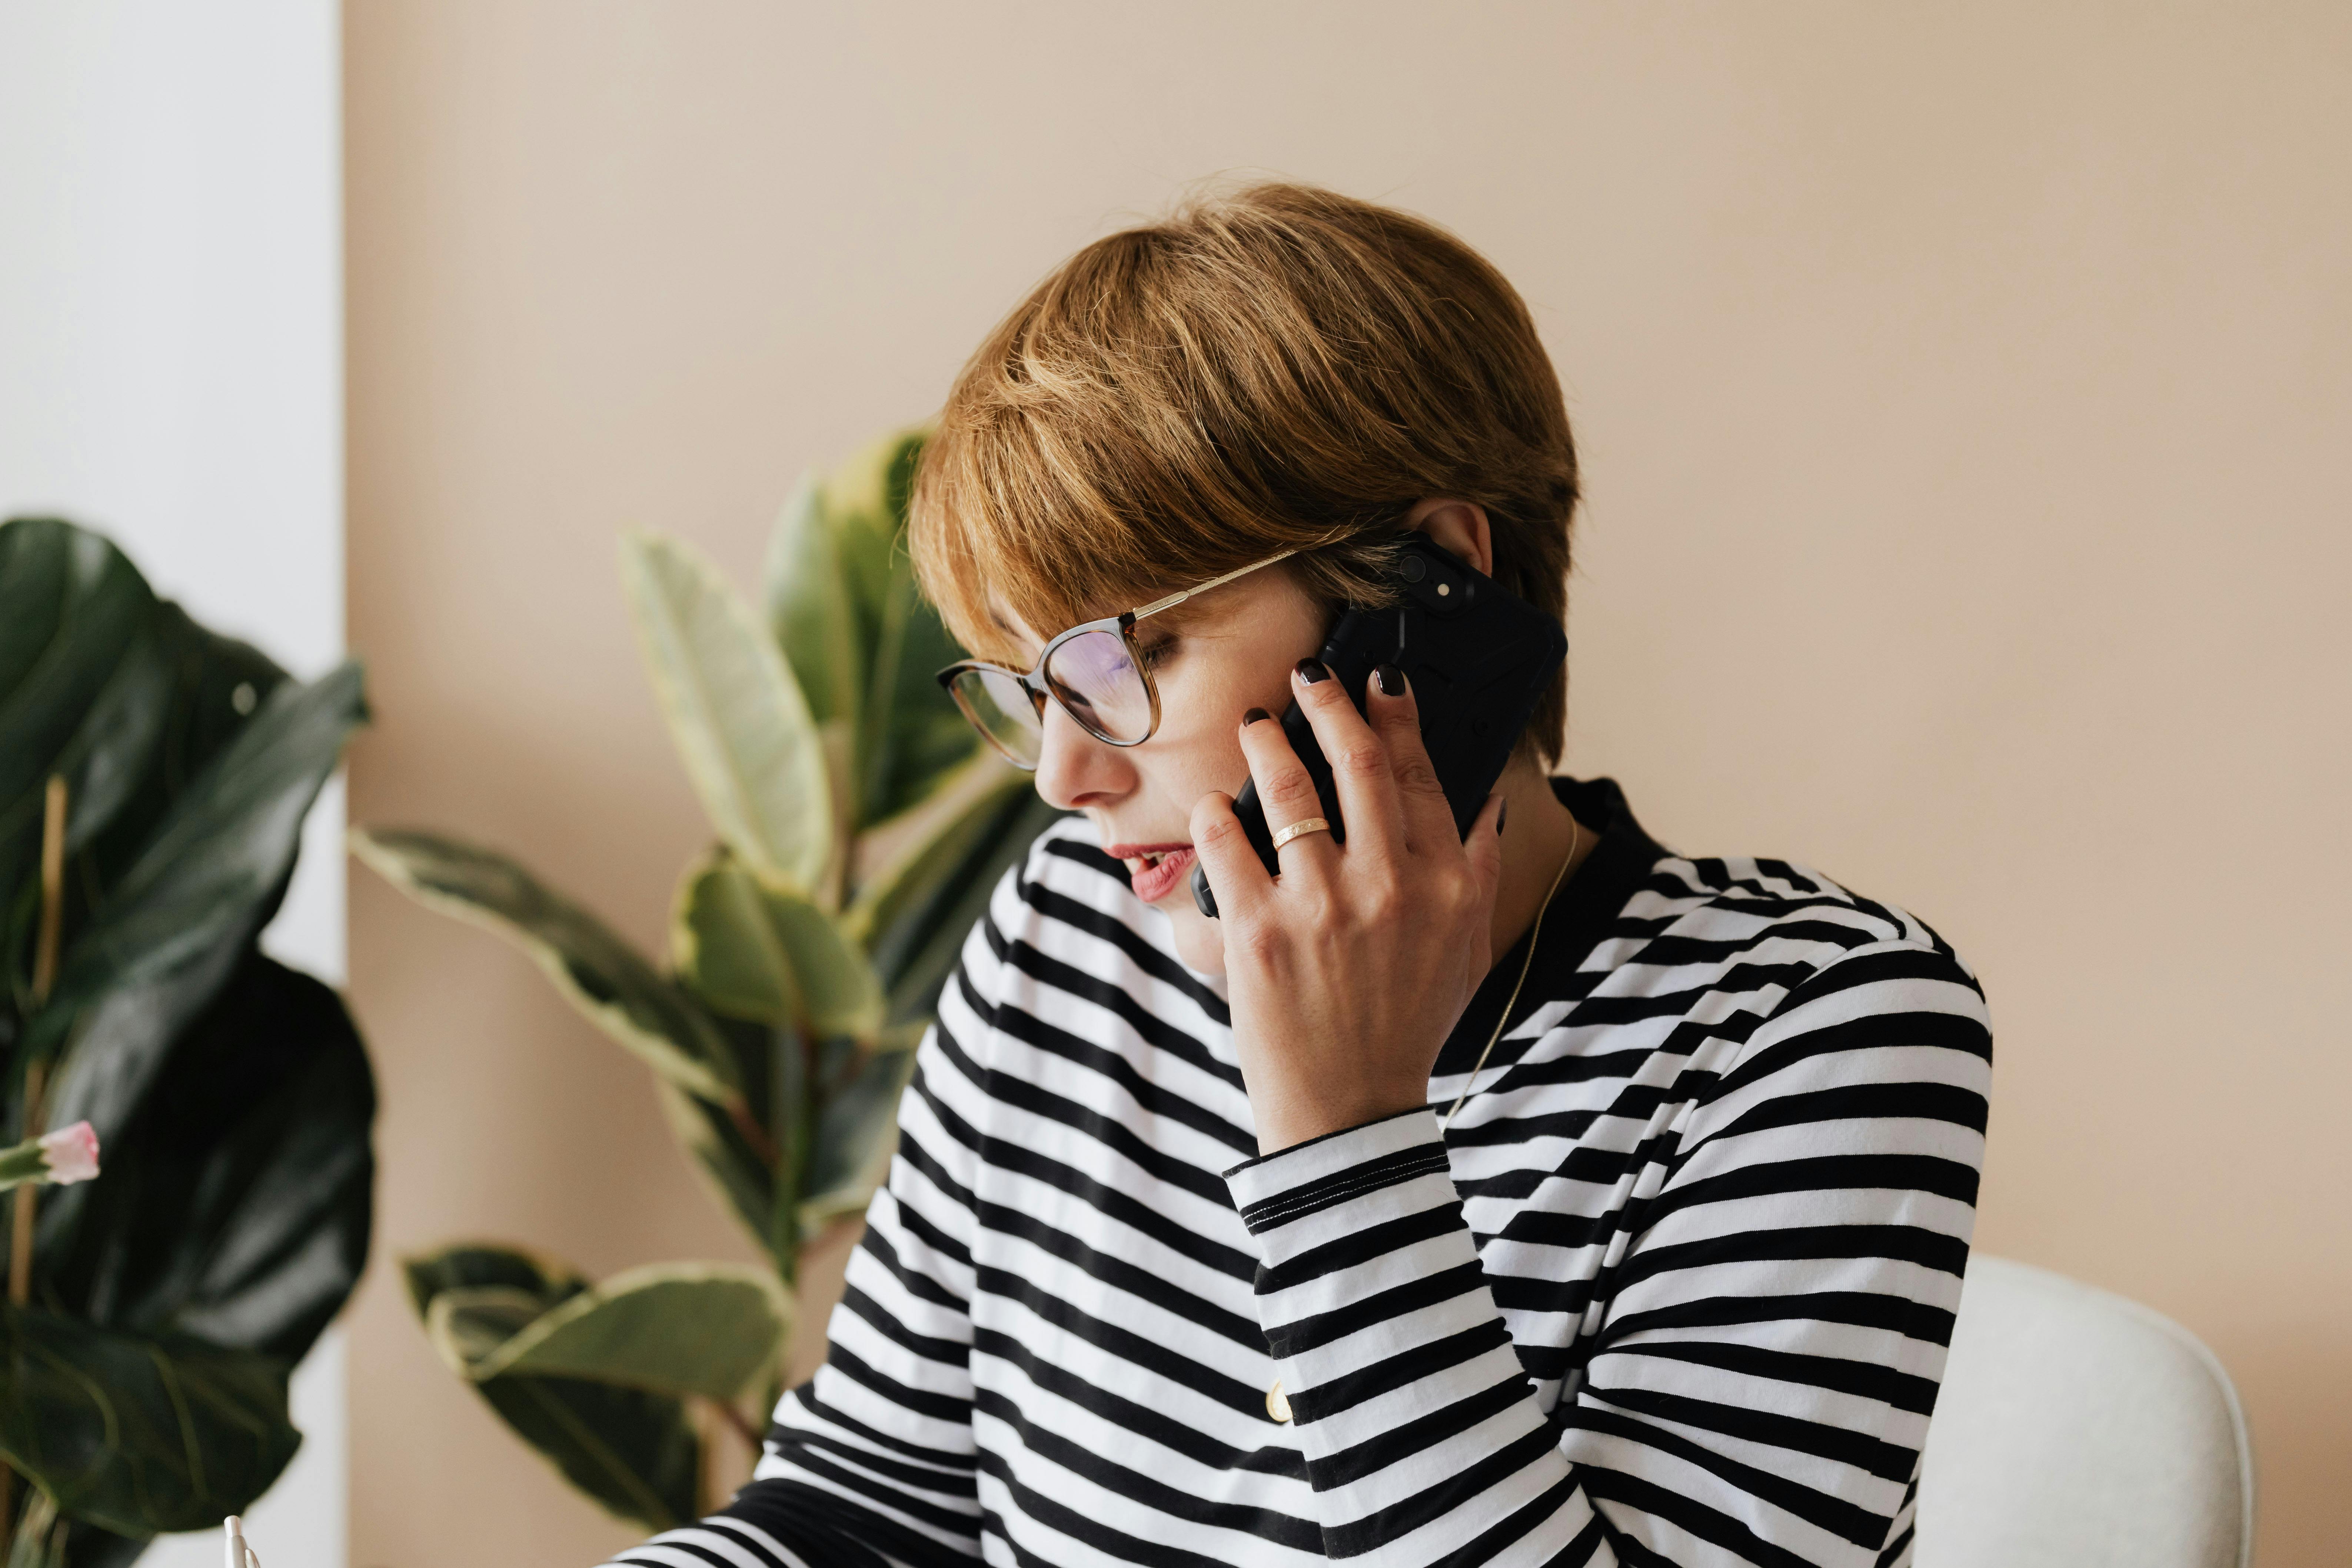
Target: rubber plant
858,827
154,780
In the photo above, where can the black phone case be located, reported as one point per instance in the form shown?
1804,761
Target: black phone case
1478,659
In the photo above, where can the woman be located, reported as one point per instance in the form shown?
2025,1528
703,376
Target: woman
1542,1196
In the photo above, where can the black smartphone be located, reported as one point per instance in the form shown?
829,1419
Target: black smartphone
1479,660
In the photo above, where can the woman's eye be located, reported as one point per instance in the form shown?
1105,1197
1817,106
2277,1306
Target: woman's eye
1157,654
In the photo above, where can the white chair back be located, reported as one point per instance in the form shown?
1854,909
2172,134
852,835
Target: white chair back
2078,1429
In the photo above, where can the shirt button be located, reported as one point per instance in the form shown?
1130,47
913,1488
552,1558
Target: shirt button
1276,1407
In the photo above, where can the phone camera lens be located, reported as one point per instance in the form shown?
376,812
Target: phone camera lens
1412,568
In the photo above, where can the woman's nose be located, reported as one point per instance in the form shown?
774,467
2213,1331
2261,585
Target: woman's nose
1074,770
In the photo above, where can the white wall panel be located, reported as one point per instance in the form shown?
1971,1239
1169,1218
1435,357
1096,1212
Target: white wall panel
171,371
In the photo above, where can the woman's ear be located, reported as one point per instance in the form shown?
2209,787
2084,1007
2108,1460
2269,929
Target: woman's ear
1460,526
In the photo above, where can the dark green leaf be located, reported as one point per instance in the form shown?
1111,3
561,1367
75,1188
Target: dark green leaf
234,1205
702,1328
103,761
71,606
140,1434
479,1264
218,685
594,967
633,1452
754,951
94,1546
213,866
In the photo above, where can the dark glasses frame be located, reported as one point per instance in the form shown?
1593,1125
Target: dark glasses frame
1040,690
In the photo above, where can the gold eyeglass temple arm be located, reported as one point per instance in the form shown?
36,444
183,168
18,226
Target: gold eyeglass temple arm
1157,605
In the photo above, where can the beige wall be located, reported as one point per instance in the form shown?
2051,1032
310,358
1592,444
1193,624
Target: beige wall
1963,393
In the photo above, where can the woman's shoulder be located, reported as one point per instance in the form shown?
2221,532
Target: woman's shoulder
1651,906
1727,897
1808,956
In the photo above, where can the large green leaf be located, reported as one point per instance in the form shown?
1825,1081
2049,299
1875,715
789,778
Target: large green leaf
907,730
864,504
633,1452
602,974
735,712
234,1205
170,931
103,761
753,951
226,843
912,734
90,1545
129,764
140,1434
218,686
71,607
473,1265
706,1328
812,611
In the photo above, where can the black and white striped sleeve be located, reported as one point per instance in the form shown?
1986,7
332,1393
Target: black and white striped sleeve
873,1461
1757,1391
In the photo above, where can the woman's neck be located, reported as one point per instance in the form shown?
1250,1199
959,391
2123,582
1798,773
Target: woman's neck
1538,833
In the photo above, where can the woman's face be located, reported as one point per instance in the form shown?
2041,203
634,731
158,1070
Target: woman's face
1214,658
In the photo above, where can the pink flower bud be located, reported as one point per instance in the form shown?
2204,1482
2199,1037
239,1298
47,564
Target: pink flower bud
71,1153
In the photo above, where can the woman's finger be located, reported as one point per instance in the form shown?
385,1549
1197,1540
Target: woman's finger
1286,791
1235,875
1395,714
1359,761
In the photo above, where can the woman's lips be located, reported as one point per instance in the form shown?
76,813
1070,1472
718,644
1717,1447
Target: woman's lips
1154,880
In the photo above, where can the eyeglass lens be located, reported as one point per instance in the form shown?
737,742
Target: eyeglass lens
1001,710
1095,677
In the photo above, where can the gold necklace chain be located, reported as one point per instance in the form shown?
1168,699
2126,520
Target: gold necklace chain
1575,841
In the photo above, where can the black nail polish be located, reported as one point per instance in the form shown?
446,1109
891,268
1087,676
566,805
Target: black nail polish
1311,670
1391,680
1255,714
1502,814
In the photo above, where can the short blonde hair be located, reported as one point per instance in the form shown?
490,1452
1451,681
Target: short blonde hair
1278,368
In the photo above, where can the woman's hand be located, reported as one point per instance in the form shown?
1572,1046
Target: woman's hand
1347,972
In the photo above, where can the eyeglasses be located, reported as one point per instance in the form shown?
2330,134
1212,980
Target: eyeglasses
1094,671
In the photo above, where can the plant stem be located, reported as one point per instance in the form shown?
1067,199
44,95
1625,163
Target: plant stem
740,1113
45,977
793,1121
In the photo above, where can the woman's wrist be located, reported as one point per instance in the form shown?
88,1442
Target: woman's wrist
1286,1119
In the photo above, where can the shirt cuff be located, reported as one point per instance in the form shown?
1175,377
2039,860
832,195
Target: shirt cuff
1281,1189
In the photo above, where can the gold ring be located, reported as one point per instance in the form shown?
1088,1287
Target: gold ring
1300,829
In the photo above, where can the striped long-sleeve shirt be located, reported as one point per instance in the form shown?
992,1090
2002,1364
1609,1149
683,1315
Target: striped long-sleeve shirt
1673,1286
